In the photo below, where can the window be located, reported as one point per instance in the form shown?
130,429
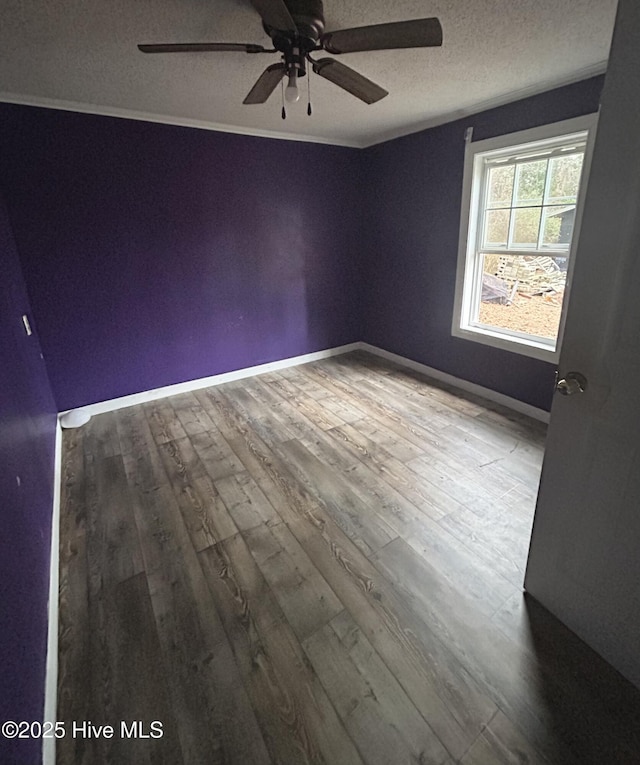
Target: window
521,207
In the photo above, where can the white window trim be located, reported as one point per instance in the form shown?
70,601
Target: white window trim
471,191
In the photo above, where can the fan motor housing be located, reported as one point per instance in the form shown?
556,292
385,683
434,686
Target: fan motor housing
308,16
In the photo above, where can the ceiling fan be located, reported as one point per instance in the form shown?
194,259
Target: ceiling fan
296,29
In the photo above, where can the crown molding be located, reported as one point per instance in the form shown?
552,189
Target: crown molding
130,114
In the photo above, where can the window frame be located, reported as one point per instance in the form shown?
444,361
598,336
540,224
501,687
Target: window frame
471,223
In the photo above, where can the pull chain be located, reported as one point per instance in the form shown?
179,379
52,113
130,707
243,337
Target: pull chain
309,92
284,111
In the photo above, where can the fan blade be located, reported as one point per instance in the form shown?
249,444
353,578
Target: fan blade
266,84
419,33
202,48
349,80
275,14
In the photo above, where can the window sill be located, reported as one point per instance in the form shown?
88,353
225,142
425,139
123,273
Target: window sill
524,347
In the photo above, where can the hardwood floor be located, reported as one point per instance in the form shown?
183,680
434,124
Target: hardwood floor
320,565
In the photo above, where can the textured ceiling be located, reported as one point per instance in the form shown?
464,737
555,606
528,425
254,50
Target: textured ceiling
82,54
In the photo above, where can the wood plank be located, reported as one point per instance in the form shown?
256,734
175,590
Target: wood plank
101,436
74,689
410,425
533,431
204,513
114,566
280,385
457,450
425,386
203,510
113,546
449,699
428,392
309,408
181,462
297,719
163,423
344,410
397,446
373,706
192,415
133,430
423,398
140,453
414,411
373,490
73,512
500,743
216,456
134,676
495,435
220,410
501,464
324,402
246,503
469,486
305,597
297,376
298,421
94,602
214,716
444,603
423,534
384,413
342,369
262,417
460,566
289,415
424,495
501,539
511,678
364,527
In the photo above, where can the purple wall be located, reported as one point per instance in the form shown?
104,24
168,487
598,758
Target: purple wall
27,438
413,225
156,254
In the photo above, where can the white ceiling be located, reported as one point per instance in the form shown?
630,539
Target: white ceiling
81,54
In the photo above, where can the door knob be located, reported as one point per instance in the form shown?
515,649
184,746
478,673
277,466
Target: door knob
572,383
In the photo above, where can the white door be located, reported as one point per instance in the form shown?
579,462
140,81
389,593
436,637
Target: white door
584,561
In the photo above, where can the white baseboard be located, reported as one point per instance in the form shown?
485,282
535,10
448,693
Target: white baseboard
457,382
51,676
239,374
207,382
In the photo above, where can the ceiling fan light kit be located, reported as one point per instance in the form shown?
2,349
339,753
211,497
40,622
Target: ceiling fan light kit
296,29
